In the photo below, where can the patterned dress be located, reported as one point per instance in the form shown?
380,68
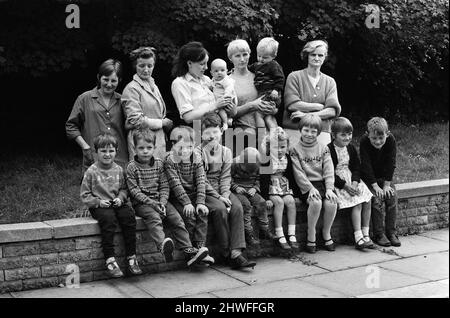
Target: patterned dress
279,184
345,200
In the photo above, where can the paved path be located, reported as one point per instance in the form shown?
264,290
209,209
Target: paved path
419,268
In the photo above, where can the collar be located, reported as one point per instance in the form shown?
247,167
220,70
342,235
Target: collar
151,163
307,145
96,94
191,78
141,82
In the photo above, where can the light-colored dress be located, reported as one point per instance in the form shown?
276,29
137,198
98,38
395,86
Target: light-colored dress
344,199
279,184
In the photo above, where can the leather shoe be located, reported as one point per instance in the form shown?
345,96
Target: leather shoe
241,262
394,240
382,240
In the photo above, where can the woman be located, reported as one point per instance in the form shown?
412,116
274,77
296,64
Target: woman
98,111
311,91
190,88
238,52
143,104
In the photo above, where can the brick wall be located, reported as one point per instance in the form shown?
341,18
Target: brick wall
43,254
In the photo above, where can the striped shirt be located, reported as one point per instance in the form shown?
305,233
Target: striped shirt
147,183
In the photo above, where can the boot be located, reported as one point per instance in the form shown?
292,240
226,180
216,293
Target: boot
251,239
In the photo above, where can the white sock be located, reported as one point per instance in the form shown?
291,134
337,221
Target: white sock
365,230
279,232
291,229
358,235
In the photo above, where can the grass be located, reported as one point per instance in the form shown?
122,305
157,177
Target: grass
36,188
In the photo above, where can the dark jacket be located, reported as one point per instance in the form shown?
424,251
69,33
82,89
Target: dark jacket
354,164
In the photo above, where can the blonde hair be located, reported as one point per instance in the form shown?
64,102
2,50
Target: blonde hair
312,121
377,125
269,45
311,46
236,46
274,137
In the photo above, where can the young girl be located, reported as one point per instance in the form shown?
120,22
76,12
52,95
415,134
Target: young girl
350,191
277,184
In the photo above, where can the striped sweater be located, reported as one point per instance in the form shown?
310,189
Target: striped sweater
187,181
147,183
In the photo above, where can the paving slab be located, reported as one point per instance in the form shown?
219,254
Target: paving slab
100,289
438,289
437,234
272,269
362,280
291,288
347,256
431,266
417,245
186,282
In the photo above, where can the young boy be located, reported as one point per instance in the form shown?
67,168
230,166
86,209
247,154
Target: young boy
314,173
269,78
104,192
245,183
149,191
222,86
378,156
187,181
228,225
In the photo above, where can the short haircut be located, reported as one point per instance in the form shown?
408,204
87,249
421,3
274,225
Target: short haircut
341,124
104,140
211,119
143,52
109,67
274,137
269,45
312,121
192,51
182,133
377,125
236,46
145,134
311,46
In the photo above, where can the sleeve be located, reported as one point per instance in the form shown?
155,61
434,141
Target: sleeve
290,176
182,96
299,174
291,91
328,169
75,120
164,189
391,155
367,173
135,190
135,117
257,184
234,172
331,99
123,189
338,182
200,182
278,77
86,194
265,181
175,182
225,173
354,164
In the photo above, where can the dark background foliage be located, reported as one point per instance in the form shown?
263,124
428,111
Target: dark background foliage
399,70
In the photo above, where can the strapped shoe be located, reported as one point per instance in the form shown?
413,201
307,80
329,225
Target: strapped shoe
294,244
113,269
282,245
361,244
133,266
369,242
311,248
329,247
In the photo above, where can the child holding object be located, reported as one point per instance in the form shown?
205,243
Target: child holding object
149,191
350,190
104,192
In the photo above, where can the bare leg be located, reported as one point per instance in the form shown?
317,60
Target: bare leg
270,122
278,207
223,115
314,208
356,218
328,217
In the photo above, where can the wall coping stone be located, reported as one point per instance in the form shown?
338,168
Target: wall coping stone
76,227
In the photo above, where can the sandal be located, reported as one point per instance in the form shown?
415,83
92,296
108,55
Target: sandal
284,246
294,244
329,247
311,248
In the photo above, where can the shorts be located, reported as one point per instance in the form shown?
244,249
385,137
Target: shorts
320,186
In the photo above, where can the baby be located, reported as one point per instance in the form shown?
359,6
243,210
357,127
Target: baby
269,78
222,86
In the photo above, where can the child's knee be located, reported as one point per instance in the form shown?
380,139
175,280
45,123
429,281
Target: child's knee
289,200
277,201
315,205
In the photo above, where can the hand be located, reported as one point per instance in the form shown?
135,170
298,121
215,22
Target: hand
226,201
105,204
167,123
297,114
269,204
251,192
314,195
330,195
240,190
88,157
378,191
223,102
188,210
202,209
388,191
351,190
117,203
265,107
